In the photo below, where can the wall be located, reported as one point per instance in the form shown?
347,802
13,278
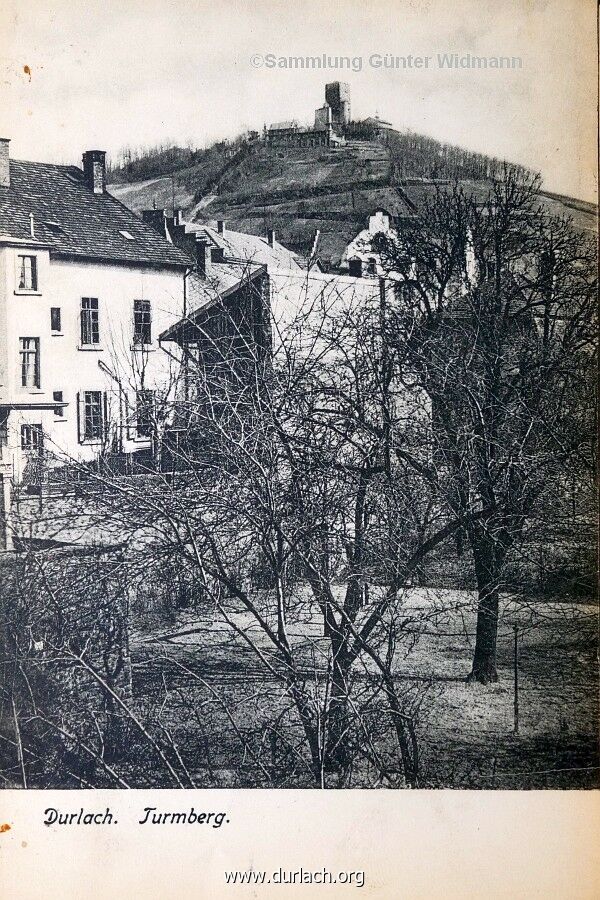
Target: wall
64,367
361,247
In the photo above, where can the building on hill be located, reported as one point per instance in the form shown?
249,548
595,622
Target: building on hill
376,127
332,125
337,97
85,289
328,127
323,117
281,133
290,134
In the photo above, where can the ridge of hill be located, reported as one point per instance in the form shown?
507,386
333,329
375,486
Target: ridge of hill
298,191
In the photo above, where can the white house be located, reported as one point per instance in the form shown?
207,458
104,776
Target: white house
361,257
86,287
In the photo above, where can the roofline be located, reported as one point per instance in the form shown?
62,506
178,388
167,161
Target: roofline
221,241
37,162
167,335
95,257
8,241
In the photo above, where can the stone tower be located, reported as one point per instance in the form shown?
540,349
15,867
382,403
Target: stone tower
337,96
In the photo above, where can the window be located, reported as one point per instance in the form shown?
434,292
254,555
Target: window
29,351
28,280
92,416
90,323
32,437
57,396
372,266
142,322
54,227
127,235
144,408
55,318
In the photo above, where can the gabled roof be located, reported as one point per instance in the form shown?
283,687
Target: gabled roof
223,280
282,126
250,248
376,121
75,222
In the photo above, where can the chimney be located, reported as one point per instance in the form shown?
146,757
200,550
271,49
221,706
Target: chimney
271,237
355,268
178,217
220,226
4,162
94,170
203,258
156,219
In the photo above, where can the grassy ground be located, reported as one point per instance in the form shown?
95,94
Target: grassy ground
225,701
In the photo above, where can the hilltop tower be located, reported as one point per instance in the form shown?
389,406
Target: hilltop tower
337,96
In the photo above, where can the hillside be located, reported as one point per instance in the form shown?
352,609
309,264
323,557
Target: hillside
298,191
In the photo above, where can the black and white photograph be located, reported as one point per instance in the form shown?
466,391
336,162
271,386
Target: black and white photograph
298,399
297,417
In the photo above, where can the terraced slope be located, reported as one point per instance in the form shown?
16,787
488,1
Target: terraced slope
298,191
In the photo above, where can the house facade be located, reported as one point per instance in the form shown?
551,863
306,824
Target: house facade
362,256
85,290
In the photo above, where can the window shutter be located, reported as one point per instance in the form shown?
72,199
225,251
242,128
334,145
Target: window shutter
131,416
104,415
80,418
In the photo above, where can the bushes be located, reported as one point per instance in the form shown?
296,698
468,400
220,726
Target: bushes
69,660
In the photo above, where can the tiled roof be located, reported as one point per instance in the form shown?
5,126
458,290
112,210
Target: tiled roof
250,248
76,222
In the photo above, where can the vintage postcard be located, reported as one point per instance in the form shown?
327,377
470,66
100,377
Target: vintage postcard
298,449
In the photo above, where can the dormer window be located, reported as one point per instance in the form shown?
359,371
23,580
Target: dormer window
355,267
28,275
53,227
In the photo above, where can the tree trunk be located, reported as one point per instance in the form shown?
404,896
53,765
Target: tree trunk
405,733
488,559
310,729
337,751
484,659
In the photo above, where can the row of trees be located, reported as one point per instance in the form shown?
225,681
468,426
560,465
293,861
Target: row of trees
413,155
419,156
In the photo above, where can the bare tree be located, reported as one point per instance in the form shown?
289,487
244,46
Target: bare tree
495,316
290,495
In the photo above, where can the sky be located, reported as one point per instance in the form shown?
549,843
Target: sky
77,74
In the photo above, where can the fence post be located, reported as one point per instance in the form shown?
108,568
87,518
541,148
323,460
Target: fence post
516,670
